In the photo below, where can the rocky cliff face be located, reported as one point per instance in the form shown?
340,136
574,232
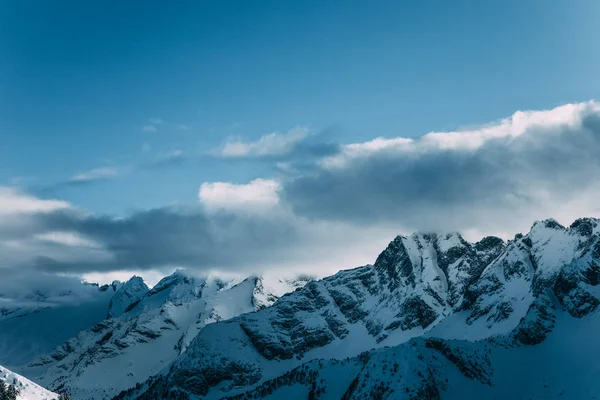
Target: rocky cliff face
435,286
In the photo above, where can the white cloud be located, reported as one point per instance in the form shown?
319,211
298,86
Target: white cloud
258,195
65,238
272,144
156,121
146,148
149,128
174,154
12,201
521,122
96,174
496,179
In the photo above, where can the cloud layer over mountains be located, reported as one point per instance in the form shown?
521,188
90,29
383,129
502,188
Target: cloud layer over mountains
334,209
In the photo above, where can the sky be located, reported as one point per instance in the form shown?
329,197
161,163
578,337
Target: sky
235,136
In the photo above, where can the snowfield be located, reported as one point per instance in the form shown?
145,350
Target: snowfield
28,390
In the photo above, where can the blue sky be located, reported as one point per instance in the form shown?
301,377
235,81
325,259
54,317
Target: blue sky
80,80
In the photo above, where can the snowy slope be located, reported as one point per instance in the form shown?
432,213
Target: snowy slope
420,288
27,389
564,366
146,335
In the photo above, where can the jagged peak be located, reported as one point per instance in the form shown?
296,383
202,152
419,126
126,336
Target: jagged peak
394,247
489,242
394,263
135,282
450,240
584,226
127,296
177,277
436,235
549,223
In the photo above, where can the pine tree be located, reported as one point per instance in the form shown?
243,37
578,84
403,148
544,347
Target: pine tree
12,392
8,392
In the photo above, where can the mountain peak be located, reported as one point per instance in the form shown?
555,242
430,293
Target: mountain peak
584,226
489,242
127,296
549,223
394,263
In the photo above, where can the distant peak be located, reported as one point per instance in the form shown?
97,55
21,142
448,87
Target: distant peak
489,242
128,295
584,226
176,278
549,223
135,278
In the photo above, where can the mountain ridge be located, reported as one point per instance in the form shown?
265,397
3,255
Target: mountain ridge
147,329
420,285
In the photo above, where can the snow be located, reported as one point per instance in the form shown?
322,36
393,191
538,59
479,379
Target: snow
564,366
449,241
129,348
28,390
127,295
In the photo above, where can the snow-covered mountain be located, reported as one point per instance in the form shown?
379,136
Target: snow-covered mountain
433,317
27,389
146,330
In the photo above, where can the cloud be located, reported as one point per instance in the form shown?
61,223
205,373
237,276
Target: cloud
154,122
272,144
168,237
235,228
27,288
171,158
258,195
65,238
146,148
148,128
568,116
339,208
12,201
497,178
96,174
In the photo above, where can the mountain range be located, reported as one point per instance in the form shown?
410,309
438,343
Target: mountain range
435,316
